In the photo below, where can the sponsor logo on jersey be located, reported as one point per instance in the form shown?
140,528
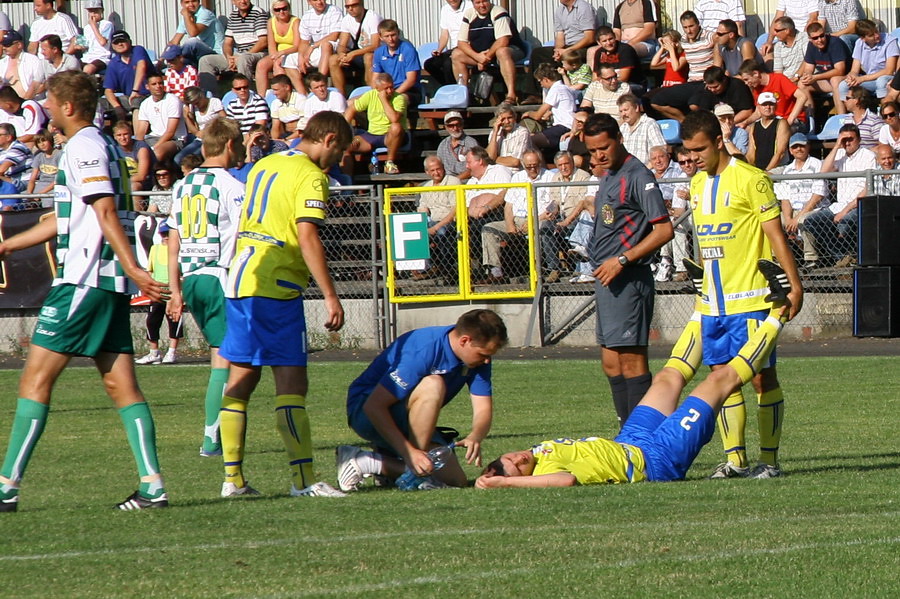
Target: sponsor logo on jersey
439,371
608,214
715,252
98,179
88,163
709,229
766,207
400,382
315,204
649,186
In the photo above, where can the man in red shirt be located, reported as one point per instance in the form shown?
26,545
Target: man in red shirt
791,100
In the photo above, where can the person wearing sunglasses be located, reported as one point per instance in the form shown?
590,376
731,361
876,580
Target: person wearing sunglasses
356,45
890,132
245,44
825,63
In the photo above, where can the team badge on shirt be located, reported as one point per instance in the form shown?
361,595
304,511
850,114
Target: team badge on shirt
608,214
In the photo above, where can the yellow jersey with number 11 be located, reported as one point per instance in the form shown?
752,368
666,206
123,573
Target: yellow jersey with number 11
728,212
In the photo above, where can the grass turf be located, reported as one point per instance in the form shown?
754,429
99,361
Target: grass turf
827,529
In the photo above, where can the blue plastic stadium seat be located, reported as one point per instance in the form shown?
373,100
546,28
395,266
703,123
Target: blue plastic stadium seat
448,96
425,51
228,97
895,34
762,39
359,91
671,130
270,97
832,127
152,54
526,60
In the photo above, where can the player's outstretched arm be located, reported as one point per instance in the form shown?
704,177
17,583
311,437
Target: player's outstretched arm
108,219
482,416
556,479
42,232
314,255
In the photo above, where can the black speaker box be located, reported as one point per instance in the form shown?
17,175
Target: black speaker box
879,231
876,301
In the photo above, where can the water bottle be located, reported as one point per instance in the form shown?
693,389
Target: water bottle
459,79
373,164
409,481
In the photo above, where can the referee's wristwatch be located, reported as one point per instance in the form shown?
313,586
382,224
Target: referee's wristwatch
623,260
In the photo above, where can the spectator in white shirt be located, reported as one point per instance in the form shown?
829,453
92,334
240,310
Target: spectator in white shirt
639,131
439,66
508,140
160,122
803,12
794,194
98,31
27,116
19,69
55,60
356,44
50,21
319,33
286,108
559,102
321,98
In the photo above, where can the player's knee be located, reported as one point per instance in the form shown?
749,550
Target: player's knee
430,389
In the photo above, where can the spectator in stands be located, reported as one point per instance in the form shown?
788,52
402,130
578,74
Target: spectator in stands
890,132
247,107
160,120
199,111
559,104
321,98
51,21
825,64
893,89
722,88
699,51
733,49
635,22
165,176
245,44
573,141
791,100
15,166
27,116
453,148
794,194
55,60
603,94
863,110
319,33
388,127
508,140
260,144
736,139
96,53
139,159
574,24
790,48
639,131
559,218
5,25
671,265
874,60
887,185
126,75
440,206
711,12
440,65
44,167
576,74
488,36
283,38
803,12
514,223
768,136
671,57
839,18
578,222
356,44
481,203
179,74
286,108
198,32
158,265
620,55
400,59
19,69
831,231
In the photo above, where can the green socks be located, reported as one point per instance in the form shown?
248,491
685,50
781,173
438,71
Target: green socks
28,424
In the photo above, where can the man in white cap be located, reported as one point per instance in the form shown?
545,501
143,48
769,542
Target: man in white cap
452,150
95,50
736,139
768,136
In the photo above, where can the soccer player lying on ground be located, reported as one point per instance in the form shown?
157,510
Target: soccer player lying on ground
658,442
395,403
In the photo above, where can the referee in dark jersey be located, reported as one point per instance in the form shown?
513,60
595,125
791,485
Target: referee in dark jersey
631,222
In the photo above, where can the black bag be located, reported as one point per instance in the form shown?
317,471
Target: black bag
481,85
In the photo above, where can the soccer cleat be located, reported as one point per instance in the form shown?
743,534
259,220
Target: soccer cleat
9,504
138,502
431,483
765,471
320,489
349,474
232,490
729,470
779,286
169,358
695,272
210,453
150,358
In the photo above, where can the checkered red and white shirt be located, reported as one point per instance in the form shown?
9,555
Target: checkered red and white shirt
178,81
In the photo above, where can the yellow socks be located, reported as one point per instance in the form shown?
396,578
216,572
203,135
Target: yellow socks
292,423
232,431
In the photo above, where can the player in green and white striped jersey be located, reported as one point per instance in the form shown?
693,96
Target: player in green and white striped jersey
87,311
206,211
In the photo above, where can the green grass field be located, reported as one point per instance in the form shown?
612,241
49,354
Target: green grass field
828,529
